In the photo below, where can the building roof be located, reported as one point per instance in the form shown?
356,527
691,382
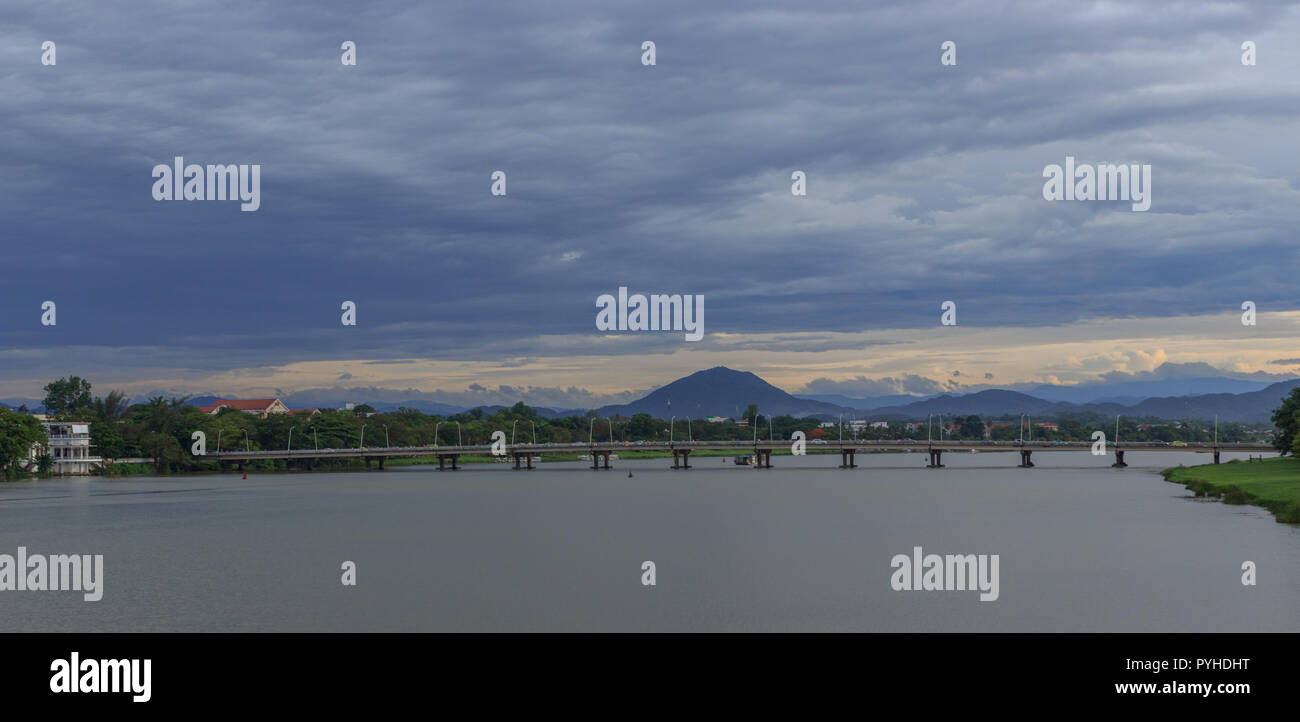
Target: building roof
239,404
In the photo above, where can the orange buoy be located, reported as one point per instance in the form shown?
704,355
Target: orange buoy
245,474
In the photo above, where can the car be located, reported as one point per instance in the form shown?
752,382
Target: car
1179,443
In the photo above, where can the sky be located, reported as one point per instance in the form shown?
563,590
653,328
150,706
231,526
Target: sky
924,185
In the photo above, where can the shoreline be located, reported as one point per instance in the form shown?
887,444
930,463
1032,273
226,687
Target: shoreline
1272,484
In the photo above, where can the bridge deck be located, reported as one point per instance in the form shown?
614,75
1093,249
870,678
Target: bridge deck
856,447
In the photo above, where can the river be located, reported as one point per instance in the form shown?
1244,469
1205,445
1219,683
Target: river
803,546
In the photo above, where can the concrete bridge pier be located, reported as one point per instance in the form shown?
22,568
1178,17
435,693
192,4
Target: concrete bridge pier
848,459
1216,456
1119,460
1026,459
762,458
528,461
685,458
442,460
596,457
936,459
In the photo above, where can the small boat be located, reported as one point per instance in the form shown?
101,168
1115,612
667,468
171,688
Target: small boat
742,461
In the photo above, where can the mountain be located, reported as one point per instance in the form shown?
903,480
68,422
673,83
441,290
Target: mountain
1135,391
1253,406
720,391
1249,407
991,402
866,402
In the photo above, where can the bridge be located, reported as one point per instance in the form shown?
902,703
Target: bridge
760,451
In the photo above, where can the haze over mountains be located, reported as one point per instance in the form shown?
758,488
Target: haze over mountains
721,391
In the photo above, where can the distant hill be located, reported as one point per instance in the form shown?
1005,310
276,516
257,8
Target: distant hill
866,402
1135,391
720,391
1253,406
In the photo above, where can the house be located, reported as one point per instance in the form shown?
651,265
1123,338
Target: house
69,447
717,419
880,424
261,407
1045,425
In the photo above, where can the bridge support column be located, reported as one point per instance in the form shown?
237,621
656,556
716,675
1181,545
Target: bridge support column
675,466
381,463
223,465
1119,460
936,459
241,466
766,458
367,463
686,458
529,459
516,462
1026,459
848,458
1216,456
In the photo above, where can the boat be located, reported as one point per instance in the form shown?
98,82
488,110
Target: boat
742,461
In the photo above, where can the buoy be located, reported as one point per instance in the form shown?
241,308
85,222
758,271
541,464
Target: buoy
629,475
245,474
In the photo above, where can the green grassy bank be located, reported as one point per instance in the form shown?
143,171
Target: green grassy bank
1272,483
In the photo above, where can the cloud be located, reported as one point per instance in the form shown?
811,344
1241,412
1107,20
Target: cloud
924,182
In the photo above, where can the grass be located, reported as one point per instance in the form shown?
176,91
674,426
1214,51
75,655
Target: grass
1273,484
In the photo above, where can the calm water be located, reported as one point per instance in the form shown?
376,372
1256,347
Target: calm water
804,546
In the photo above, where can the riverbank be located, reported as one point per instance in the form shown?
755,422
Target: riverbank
1272,483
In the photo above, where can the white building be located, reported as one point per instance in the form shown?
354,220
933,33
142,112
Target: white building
69,444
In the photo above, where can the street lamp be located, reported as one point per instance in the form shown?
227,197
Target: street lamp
362,444
512,432
1117,430
314,439
670,429
591,427
246,447
769,428
385,436
290,447
756,425
530,423
611,429
689,438
435,434
219,440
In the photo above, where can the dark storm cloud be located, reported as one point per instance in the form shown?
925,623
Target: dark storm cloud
924,182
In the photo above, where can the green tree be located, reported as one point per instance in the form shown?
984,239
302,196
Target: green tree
112,408
67,396
1287,420
18,434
